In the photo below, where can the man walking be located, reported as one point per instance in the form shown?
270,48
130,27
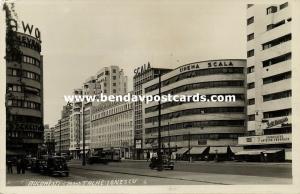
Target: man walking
9,166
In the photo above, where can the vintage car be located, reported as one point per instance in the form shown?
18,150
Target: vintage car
57,165
39,165
167,163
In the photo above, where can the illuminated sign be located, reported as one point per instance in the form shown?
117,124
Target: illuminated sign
266,139
195,66
25,28
142,69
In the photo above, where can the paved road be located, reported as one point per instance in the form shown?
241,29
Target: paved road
280,170
138,173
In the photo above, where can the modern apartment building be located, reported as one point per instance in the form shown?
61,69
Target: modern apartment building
142,75
62,131
112,127
24,90
197,125
49,139
269,72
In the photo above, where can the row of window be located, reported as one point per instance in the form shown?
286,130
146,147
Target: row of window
197,124
24,104
238,97
196,111
25,89
23,73
273,114
203,85
277,95
197,73
30,60
277,59
278,77
193,137
277,41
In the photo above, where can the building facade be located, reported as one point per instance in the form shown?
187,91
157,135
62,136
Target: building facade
24,90
197,124
49,139
112,127
269,71
62,131
142,75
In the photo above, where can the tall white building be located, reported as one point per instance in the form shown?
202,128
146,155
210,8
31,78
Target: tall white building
112,127
269,73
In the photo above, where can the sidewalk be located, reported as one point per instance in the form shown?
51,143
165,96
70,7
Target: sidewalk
208,178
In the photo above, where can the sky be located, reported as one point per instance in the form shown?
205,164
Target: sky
79,37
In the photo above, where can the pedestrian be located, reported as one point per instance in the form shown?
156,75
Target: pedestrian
9,166
18,165
148,156
23,165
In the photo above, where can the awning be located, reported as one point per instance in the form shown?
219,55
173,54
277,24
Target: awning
250,152
197,150
218,150
271,151
236,149
182,151
15,152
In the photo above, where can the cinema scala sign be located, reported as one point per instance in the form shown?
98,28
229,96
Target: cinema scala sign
25,28
201,65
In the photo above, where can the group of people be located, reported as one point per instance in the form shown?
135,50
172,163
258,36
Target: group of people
20,162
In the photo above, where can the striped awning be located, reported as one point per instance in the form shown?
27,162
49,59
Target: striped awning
182,150
218,150
197,150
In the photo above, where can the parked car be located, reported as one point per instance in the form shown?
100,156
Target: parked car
39,165
57,165
167,163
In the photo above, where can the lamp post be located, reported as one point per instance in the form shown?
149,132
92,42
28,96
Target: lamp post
159,154
83,139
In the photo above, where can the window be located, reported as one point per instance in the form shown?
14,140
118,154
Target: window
114,91
272,26
251,101
277,41
251,85
250,69
271,9
114,84
250,36
282,6
276,60
251,117
114,77
249,5
278,77
277,113
250,53
106,72
250,20
114,71
278,95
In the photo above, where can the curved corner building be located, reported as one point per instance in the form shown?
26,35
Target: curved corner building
197,124
24,96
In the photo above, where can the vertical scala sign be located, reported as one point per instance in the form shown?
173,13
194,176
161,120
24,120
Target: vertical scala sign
25,28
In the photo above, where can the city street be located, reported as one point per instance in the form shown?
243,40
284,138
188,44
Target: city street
138,173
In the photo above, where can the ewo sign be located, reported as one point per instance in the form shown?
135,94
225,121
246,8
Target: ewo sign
25,28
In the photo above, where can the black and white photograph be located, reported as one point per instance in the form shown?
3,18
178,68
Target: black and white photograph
110,95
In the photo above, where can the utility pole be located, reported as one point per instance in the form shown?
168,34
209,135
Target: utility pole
60,137
169,139
83,139
159,154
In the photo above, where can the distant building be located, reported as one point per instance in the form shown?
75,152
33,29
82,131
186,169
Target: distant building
142,75
62,131
112,127
49,139
269,72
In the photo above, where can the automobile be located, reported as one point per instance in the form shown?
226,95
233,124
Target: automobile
39,165
167,163
98,157
29,162
66,156
57,165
